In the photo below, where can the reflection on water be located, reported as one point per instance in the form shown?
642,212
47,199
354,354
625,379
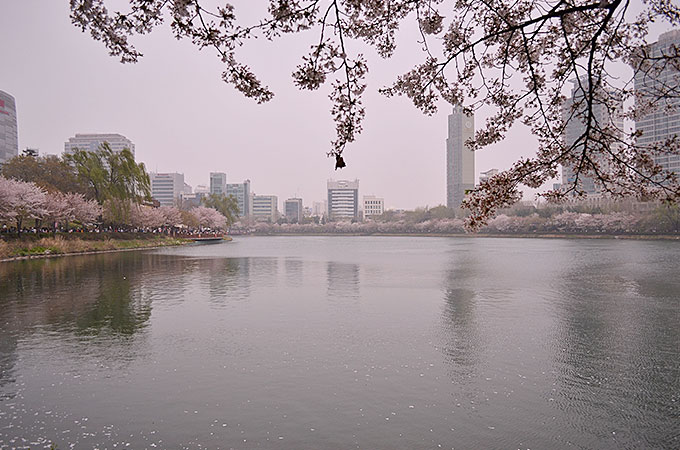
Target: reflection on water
619,350
227,279
343,281
345,342
459,317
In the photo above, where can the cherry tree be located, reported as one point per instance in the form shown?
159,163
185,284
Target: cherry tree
171,216
58,209
146,217
85,211
6,199
20,201
209,218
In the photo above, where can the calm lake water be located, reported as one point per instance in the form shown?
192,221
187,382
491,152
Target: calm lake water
345,342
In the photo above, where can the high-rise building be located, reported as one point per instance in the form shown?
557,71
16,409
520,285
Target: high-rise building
166,187
573,133
9,138
460,159
265,207
293,209
373,206
242,193
343,199
201,189
218,183
91,142
662,122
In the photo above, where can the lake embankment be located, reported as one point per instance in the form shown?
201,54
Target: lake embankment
31,246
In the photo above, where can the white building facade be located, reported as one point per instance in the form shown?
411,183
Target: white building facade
373,206
9,137
663,122
265,207
91,142
343,199
218,183
241,191
167,187
460,159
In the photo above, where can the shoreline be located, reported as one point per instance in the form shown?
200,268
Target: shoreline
175,242
88,252
637,237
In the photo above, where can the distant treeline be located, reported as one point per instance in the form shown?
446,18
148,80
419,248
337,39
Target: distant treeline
630,218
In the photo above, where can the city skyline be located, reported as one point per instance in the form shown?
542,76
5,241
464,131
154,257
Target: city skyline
182,117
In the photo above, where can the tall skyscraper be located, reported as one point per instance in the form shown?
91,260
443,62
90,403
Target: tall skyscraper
166,187
293,209
91,142
573,133
218,183
9,138
343,199
242,193
460,159
663,122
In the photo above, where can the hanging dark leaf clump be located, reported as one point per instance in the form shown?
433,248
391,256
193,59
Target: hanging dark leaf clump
339,162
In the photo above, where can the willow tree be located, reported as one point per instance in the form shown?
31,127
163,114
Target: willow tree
227,205
516,57
116,180
111,175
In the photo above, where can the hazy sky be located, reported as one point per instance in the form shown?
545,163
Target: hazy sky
182,118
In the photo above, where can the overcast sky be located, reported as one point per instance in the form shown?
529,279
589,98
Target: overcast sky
182,118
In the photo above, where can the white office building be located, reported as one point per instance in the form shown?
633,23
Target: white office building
662,122
241,191
167,187
373,206
9,138
460,159
218,183
92,142
343,199
265,207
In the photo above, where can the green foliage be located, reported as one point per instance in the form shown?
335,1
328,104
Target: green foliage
48,172
116,212
667,218
226,205
111,175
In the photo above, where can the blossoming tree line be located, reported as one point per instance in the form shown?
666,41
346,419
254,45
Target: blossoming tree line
616,218
90,190
514,57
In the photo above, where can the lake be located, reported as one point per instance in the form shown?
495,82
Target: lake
345,342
